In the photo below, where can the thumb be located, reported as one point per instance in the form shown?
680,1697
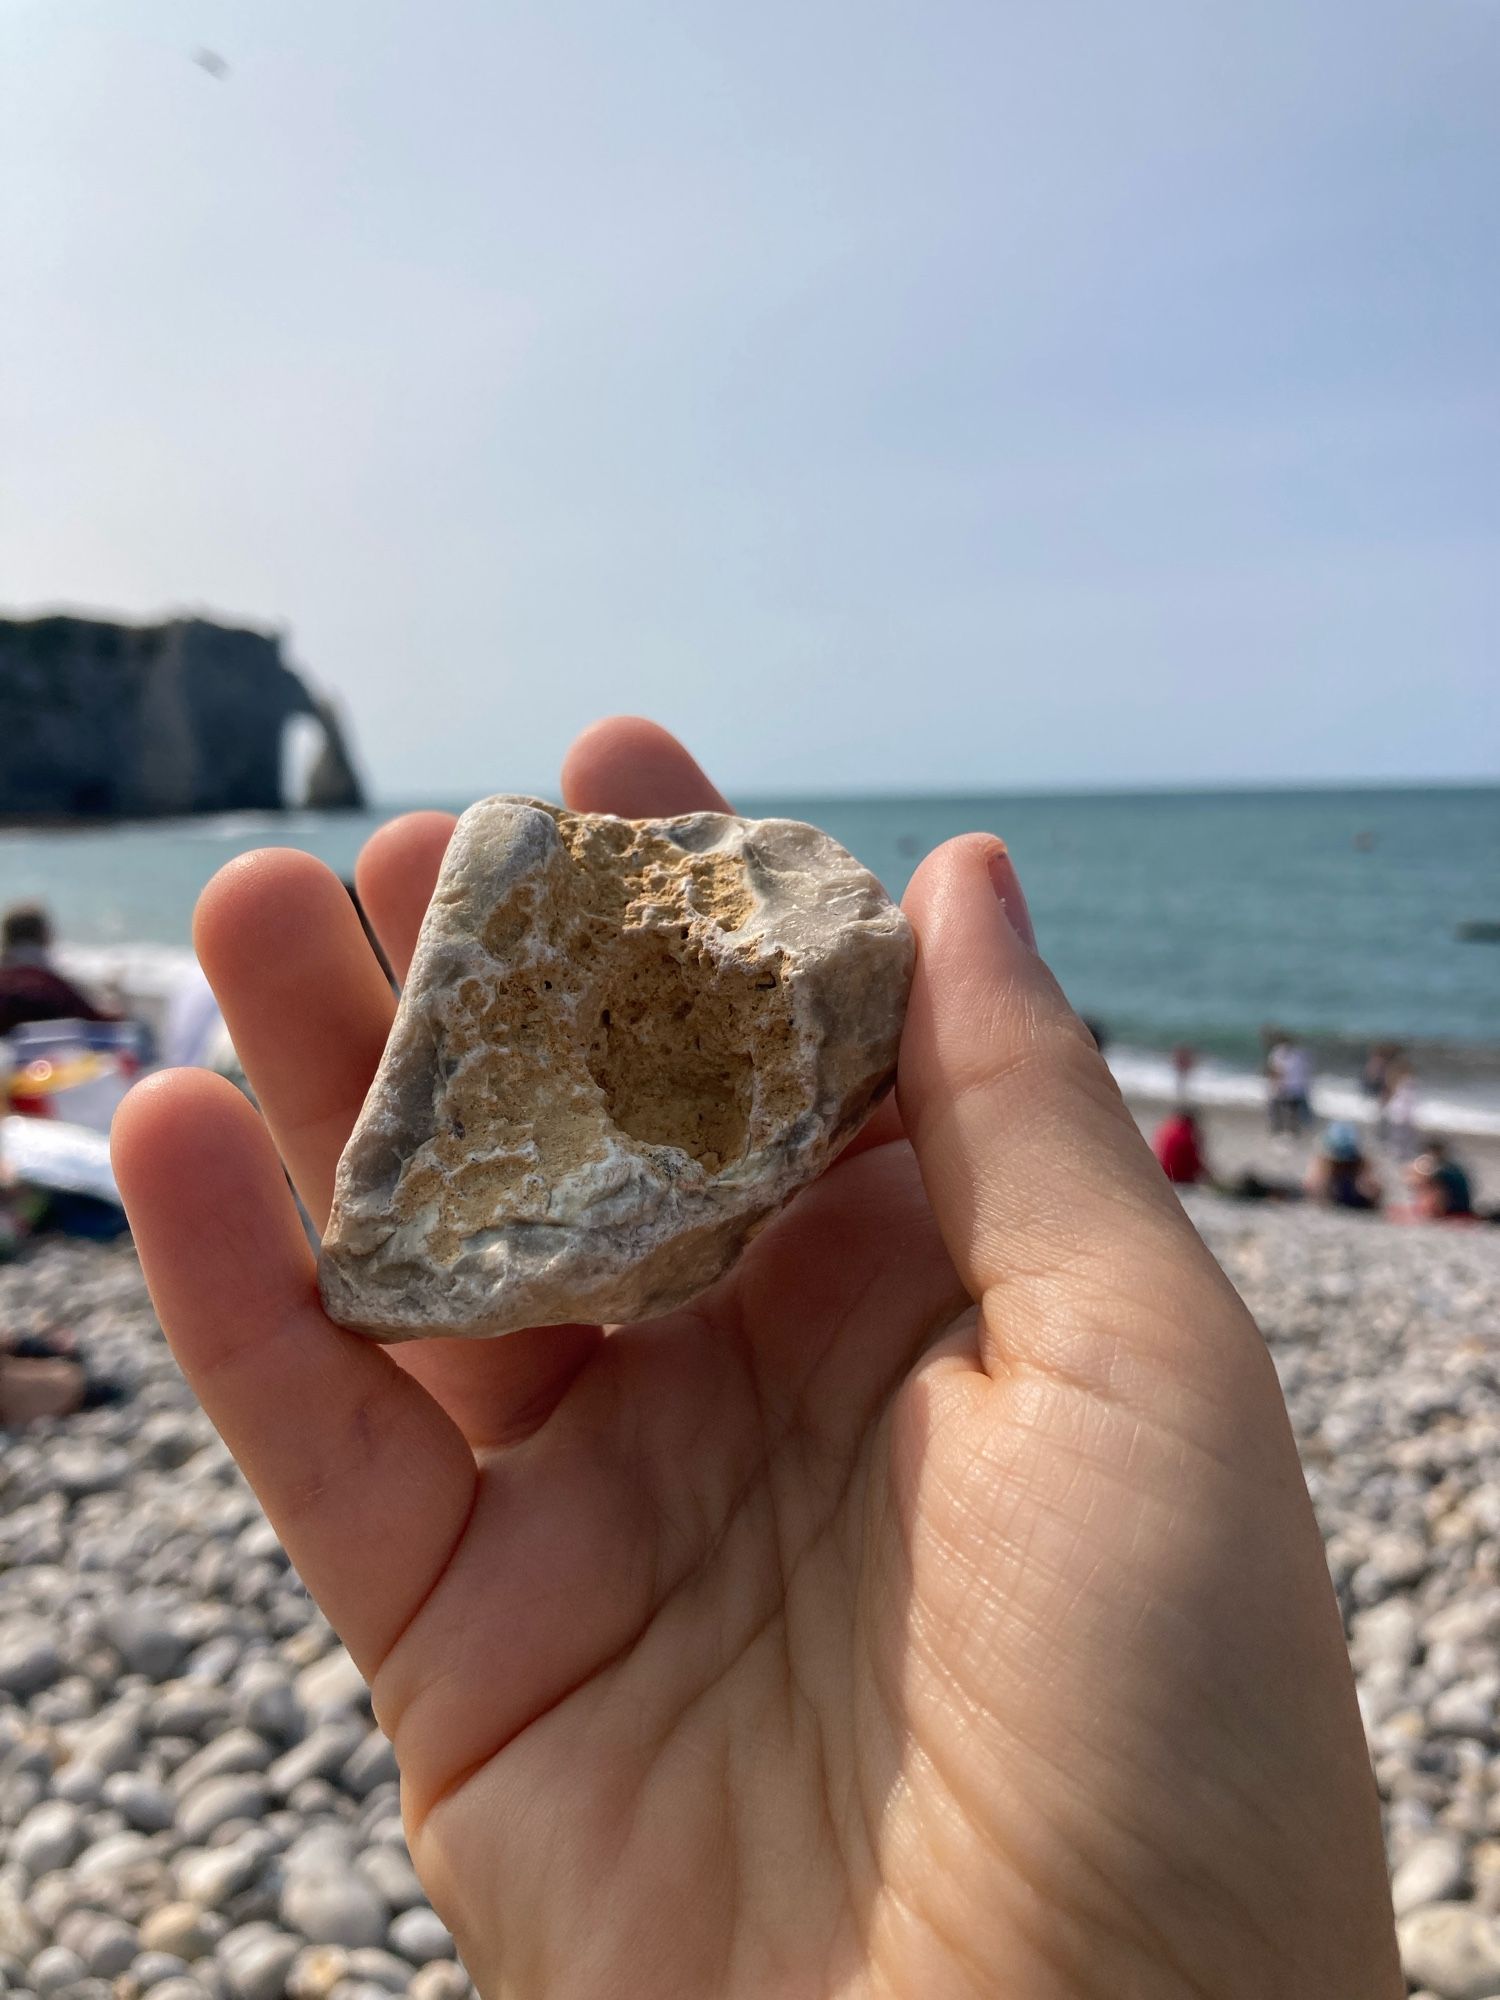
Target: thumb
1039,1178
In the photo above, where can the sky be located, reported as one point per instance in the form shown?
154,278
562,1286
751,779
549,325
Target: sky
912,395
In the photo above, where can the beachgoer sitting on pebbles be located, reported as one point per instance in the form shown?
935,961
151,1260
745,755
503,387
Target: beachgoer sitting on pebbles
1340,1175
1441,1191
31,987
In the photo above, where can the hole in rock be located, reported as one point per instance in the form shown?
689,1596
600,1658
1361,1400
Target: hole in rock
671,1051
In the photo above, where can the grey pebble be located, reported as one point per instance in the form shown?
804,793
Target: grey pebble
107,1946
334,1909
390,1870
189,1708
214,1876
80,1783
183,1930
318,1969
56,1969
49,1837
144,1804
332,1685
443,1980
421,1936
144,1633
371,1765
318,1755
380,1968
255,1963
150,1968
268,1702
110,1743
219,1800
1432,1871
1453,1948
233,1753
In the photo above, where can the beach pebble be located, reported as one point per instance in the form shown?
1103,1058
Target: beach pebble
147,1638
370,1765
80,1783
218,1801
150,1968
167,1441
256,1961
329,1908
29,1659
111,1743
182,1930
331,1686
322,1752
268,1703
21,1933
389,1869
214,1876
105,1944
317,1970
1453,1948
229,1754
420,1935
49,1837
1467,1709
189,1708
376,1967
184,1989
56,1970
1431,1871
142,1802
323,1849
442,1980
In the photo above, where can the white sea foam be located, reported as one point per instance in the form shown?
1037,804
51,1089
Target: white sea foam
139,979
1141,1073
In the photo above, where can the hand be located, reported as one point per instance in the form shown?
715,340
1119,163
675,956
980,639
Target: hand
933,1609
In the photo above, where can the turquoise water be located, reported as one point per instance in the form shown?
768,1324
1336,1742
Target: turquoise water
1168,916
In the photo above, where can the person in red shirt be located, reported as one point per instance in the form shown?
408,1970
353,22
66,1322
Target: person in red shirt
1178,1151
30,988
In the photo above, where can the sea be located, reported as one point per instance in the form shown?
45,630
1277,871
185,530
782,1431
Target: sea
1173,917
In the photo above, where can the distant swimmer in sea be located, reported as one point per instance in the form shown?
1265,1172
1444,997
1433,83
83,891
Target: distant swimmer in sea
1289,1080
1340,1176
31,987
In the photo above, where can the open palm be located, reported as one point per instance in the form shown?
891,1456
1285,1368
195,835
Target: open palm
934,1608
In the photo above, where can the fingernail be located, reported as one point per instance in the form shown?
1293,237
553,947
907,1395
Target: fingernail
1007,887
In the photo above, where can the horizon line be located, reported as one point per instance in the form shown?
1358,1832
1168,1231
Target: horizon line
1148,788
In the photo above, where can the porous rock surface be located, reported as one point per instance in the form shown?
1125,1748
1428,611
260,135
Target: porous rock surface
622,1046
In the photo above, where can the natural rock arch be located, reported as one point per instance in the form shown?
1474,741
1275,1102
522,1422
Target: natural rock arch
104,720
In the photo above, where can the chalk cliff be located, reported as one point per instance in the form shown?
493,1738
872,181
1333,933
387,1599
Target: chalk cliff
102,720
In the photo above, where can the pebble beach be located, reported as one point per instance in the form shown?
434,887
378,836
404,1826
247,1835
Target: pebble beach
194,1799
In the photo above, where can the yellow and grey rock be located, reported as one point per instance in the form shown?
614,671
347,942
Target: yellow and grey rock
624,1044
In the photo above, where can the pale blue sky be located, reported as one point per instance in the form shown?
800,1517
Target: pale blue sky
945,394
